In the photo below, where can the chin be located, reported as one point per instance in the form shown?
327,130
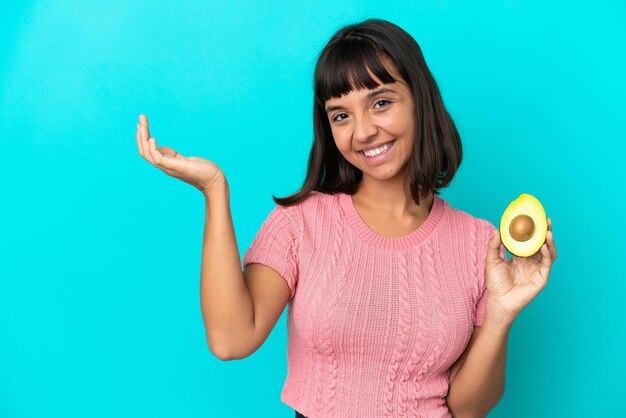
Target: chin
383,175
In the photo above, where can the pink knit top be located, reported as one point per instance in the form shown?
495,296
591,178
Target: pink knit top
374,323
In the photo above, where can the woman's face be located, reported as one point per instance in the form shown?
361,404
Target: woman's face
365,120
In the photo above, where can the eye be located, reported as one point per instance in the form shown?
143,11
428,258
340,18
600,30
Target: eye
336,116
384,101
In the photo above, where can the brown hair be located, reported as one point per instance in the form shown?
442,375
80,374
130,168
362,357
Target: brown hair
342,67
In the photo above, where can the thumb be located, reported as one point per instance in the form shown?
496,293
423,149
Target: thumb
493,248
168,152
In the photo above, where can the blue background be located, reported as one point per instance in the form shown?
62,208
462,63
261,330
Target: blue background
100,251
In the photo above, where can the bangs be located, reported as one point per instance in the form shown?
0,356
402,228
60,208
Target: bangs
344,69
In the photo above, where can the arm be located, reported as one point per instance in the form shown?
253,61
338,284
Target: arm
477,383
477,378
237,316
239,309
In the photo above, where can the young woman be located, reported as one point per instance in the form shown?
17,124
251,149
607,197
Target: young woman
399,304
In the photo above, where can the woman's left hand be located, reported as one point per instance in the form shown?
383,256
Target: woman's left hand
515,282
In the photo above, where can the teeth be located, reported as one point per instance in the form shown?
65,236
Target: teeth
377,151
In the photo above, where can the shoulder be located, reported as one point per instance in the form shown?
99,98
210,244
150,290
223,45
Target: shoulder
471,234
310,207
315,203
468,223
316,197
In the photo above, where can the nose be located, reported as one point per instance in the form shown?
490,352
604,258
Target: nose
364,128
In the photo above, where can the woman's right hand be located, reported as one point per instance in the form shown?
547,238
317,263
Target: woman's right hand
200,173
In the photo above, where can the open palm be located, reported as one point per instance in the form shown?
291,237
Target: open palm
515,282
199,172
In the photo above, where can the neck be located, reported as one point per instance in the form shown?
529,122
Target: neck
390,200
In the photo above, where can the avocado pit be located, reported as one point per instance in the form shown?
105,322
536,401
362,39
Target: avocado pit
522,228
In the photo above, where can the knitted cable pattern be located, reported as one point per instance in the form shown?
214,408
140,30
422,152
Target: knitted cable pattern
328,366
404,332
373,318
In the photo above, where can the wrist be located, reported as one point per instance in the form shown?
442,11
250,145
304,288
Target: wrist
496,317
219,186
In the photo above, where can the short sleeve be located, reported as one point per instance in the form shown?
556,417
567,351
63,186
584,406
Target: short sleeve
276,245
481,305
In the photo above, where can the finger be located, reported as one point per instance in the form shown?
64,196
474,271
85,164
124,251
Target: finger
143,120
546,262
145,130
502,252
155,155
551,245
146,142
168,152
493,248
143,143
149,154
139,141
550,241
158,158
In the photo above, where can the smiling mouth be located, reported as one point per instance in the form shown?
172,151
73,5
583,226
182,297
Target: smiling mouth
382,149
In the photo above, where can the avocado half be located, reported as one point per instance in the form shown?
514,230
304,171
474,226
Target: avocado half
523,226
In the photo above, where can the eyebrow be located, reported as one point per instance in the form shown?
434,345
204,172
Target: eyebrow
375,93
